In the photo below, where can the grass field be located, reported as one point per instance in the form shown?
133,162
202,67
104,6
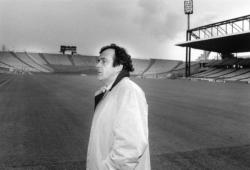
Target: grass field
45,122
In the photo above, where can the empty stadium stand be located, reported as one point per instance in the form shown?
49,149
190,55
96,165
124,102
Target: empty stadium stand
233,38
247,80
179,70
208,70
140,66
221,73
26,59
69,69
161,66
57,59
47,63
10,58
238,78
44,59
84,60
245,63
80,64
3,68
4,65
237,72
36,58
226,70
70,57
207,74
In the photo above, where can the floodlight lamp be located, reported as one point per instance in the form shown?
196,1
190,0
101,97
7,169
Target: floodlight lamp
188,6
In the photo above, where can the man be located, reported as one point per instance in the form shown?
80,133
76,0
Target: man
119,133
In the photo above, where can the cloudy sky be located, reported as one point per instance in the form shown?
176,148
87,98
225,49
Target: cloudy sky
146,28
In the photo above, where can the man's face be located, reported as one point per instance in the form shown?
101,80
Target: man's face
105,70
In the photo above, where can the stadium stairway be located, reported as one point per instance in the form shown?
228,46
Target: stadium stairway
139,66
70,57
237,72
151,63
247,80
180,70
9,59
180,65
27,59
210,72
43,57
32,68
238,78
40,64
4,79
84,60
3,68
203,72
223,72
160,66
57,59
2,64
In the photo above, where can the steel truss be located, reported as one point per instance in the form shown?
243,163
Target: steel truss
223,28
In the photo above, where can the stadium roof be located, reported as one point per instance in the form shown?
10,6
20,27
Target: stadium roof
223,44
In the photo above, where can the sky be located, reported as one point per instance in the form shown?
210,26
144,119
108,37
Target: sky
146,28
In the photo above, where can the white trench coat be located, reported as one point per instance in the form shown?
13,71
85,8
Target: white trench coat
119,133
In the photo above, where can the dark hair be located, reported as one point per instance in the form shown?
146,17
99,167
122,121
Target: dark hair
121,57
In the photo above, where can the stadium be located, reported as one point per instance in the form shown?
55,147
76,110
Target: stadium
199,111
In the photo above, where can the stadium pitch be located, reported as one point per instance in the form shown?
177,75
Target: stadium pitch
45,122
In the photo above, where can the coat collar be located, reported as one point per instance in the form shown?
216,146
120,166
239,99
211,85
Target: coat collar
120,76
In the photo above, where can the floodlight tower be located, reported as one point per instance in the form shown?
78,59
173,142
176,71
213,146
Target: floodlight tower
188,9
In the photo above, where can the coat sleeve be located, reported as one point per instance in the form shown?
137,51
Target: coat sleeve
130,132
